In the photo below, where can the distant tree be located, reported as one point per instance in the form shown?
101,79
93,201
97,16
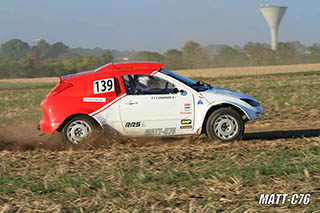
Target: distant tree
149,56
9,69
68,55
300,48
13,49
173,59
230,57
31,55
89,62
42,49
71,66
314,53
106,57
50,68
212,49
259,54
27,66
286,53
57,49
194,56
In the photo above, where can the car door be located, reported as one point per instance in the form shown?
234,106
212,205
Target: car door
155,106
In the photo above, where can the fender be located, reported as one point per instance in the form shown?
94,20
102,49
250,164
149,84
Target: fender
236,105
217,105
73,115
62,115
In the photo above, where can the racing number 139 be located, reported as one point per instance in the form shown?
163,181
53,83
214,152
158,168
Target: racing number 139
103,85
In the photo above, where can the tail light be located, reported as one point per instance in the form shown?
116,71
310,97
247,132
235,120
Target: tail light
61,86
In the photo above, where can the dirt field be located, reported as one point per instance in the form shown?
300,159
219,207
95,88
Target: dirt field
278,154
248,71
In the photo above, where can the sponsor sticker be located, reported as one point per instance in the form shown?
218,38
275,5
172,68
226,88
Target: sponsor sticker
283,199
186,121
186,127
160,131
132,124
199,102
94,99
162,97
187,107
185,113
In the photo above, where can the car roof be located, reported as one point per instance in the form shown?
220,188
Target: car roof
117,67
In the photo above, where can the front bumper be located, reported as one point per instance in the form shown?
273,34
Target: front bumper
255,113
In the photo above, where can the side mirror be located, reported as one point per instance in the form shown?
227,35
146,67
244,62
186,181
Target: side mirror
176,90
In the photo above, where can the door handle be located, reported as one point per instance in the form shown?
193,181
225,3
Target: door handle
131,102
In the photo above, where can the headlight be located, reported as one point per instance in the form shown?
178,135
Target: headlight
250,102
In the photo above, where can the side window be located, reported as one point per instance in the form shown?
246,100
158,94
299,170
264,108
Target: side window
146,85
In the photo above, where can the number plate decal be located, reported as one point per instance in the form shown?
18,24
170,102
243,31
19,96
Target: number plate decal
103,86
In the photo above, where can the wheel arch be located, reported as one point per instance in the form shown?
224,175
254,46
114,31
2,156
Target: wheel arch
75,115
213,108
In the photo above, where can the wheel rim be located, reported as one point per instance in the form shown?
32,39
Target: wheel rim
77,131
225,127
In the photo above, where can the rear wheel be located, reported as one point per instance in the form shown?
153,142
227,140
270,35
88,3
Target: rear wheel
225,124
78,129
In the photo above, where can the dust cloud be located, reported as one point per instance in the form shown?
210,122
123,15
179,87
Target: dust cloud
26,136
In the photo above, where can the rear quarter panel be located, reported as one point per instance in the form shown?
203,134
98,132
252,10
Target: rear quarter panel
80,98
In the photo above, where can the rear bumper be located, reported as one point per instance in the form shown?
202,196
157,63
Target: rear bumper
48,127
49,123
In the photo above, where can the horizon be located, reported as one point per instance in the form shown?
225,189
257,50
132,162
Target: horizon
123,50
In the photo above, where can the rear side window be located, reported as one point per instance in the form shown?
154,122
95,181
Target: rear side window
146,85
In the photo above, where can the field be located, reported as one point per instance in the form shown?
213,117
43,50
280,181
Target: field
278,154
249,71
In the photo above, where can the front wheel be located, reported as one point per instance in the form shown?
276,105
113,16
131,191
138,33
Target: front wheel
225,124
78,129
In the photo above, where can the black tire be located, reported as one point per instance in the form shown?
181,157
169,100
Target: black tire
78,129
225,124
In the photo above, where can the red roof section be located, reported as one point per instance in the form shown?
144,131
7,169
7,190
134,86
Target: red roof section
114,67
130,65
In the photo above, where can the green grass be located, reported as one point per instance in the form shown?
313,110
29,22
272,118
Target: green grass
25,85
176,176
21,105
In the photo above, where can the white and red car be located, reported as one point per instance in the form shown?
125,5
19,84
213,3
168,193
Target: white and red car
143,99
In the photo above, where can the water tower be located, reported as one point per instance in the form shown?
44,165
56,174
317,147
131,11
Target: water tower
35,41
273,16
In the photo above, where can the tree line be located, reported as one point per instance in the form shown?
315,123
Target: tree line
19,59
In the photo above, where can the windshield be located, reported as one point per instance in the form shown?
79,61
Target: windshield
199,85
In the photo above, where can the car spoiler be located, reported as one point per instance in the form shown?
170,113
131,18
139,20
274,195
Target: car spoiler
130,65
62,78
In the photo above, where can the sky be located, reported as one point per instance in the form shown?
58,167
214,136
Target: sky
154,25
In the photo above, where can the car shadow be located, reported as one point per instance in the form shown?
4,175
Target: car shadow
286,134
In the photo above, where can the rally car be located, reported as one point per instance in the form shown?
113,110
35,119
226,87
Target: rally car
143,99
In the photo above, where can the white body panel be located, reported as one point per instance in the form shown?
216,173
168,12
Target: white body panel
164,114
158,114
